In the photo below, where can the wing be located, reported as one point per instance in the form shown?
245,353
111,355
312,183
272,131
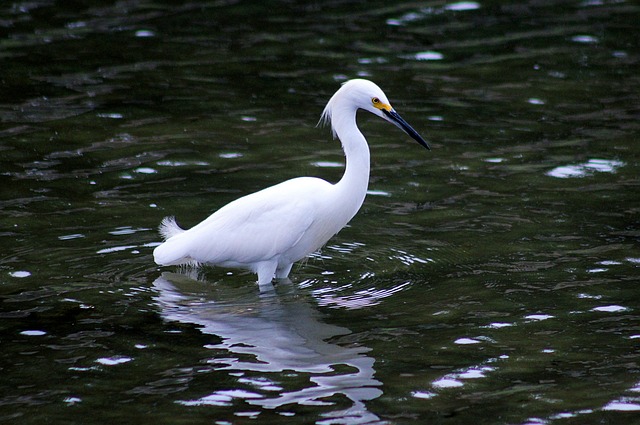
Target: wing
254,228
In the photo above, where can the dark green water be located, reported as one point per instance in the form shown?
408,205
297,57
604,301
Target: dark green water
492,280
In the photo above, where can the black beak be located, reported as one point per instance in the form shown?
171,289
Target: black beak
397,120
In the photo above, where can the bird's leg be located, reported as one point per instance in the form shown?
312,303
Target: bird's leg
265,270
282,272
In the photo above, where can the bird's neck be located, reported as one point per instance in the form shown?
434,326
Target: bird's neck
352,188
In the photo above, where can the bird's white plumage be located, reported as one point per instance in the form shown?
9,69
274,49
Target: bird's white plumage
286,210
267,231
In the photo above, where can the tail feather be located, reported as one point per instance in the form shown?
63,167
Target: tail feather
172,251
169,228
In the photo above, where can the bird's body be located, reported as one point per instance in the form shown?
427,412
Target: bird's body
297,213
267,231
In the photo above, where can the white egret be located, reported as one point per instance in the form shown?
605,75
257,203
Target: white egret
267,231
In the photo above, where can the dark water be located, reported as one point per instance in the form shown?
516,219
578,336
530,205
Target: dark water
493,280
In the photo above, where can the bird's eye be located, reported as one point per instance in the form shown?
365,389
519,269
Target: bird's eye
375,101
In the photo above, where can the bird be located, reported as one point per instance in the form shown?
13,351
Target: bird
266,232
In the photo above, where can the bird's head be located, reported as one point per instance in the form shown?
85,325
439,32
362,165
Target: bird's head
364,94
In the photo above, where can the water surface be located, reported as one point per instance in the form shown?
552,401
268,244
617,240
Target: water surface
492,280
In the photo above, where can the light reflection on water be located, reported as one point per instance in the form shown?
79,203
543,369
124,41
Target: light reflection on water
588,168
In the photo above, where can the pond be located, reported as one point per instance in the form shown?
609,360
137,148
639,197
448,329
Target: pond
492,280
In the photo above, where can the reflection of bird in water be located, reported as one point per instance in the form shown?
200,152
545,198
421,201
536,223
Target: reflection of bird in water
283,333
267,231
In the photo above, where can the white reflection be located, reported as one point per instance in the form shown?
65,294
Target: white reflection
466,341
463,6
586,39
447,383
538,317
585,169
272,332
112,361
456,379
408,259
330,296
622,406
426,12
628,403
428,55
610,308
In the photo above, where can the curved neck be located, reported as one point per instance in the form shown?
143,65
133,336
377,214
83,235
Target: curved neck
352,187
